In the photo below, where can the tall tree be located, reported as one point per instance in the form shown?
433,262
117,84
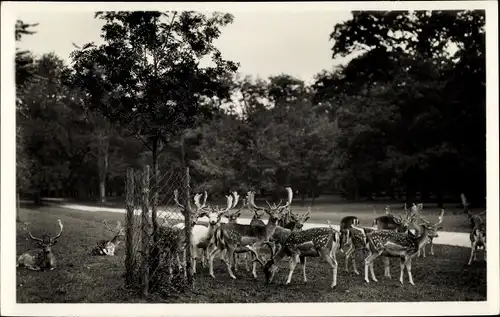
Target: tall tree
147,75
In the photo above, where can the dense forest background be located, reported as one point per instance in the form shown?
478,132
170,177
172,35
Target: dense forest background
405,119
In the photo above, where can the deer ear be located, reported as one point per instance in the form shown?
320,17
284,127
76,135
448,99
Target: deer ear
306,218
54,242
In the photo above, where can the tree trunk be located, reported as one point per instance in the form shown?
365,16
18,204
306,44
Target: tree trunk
102,190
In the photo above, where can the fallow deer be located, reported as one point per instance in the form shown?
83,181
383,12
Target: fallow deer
474,219
390,243
108,247
42,258
393,222
345,224
477,240
202,235
315,242
434,229
238,238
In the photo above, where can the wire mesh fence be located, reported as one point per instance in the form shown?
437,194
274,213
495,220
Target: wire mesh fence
156,234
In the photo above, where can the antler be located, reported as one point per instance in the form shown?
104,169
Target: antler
200,206
229,199
60,231
251,202
107,226
290,198
236,198
30,235
330,224
387,210
176,199
464,200
440,218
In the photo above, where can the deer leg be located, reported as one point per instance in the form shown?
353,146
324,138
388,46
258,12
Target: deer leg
348,254
432,247
331,259
246,263
294,259
387,268
472,252
211,257
369,265
402,267
354,267
303,262
230,257
408,269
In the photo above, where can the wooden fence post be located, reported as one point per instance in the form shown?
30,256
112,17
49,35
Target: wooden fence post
129,222
187,213
145,230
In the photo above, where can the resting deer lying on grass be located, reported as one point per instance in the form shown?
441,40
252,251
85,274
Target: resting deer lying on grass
314,242
391,243
238,238
108,247
42,258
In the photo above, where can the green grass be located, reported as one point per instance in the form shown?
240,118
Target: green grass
81,278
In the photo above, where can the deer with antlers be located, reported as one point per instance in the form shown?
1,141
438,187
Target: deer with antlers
433,228
239,238
42,258
477,236
315,242
475,220
393,222
391,243
202,235
232,217
108,247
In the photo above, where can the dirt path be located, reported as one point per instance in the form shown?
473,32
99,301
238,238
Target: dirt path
447,238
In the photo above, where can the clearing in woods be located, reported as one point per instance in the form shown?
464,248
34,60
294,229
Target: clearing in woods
81,278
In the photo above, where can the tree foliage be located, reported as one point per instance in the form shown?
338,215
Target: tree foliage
406,115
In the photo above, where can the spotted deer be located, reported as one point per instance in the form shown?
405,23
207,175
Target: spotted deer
345,224
391,243
108,247
355,238
397,223
42,258
238,238
433,228
315,242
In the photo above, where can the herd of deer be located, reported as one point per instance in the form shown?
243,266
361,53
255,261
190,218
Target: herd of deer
391,236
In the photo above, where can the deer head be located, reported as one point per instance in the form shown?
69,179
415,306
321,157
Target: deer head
433,228
215,213
46,242
118,229
200,207
300,219
274,211
231,217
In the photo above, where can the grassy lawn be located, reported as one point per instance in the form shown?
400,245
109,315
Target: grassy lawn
81,278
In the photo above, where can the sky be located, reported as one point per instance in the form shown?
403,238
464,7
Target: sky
264,43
